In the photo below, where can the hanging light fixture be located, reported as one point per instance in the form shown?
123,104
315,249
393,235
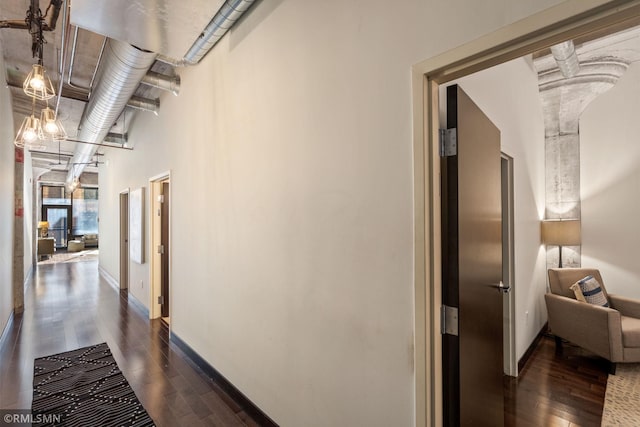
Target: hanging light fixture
51,126
30,134
38,84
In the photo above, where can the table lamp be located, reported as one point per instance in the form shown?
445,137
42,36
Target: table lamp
561,232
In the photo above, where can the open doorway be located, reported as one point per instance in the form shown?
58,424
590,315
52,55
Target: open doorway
161,244
124,240
523,38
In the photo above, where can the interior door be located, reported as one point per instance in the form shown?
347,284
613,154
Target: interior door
472,268
164,257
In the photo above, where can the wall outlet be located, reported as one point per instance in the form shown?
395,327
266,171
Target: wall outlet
142,286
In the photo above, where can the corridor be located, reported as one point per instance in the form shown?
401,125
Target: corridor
67,306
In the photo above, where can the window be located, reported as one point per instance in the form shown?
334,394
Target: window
85,211
55,196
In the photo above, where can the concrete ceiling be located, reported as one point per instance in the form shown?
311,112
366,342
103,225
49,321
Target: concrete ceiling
167,28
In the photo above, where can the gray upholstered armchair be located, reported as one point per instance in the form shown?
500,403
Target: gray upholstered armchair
610,332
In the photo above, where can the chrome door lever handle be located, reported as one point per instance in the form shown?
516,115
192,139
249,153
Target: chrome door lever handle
502,288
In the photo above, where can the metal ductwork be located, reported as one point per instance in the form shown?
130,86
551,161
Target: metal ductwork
121,70
144,104
160,81
228,14
565,55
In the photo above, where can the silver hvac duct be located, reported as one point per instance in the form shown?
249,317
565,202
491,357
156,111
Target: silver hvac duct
121,70
222,21
565,55
168,83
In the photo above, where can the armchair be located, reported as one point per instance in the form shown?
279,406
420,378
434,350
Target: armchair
610,332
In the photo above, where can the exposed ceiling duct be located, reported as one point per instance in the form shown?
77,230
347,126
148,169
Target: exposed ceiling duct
123,67
121,70
565,55
228,14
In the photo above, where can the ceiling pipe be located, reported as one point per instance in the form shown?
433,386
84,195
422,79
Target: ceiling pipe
144,104
221,22
122,68
565,55
160,81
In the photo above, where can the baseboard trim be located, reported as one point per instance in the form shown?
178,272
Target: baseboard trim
7,327
108,277
250,408
135,302
527,354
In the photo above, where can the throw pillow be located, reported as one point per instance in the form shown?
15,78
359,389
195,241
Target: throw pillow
578,292
592,291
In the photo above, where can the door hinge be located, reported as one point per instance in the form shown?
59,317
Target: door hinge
161,198
448,142
161,299
161,249
449,320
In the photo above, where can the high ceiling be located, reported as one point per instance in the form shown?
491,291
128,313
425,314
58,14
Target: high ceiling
73,50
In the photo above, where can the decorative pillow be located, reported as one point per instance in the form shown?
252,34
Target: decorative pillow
591,291
578,292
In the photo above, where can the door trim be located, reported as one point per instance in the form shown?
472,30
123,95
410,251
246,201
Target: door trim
508,265
123,247
568,20
155,185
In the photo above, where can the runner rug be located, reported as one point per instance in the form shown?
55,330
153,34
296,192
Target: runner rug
85,387
622,399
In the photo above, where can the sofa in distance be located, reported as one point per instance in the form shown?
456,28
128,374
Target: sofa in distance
90,240
610,332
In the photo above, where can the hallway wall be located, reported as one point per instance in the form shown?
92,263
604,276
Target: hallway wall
7,156
290,149
610,178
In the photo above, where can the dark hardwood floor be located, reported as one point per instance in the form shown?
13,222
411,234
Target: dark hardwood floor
68,306
557,389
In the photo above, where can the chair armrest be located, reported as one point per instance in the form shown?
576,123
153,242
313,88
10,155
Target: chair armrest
597,329
626,306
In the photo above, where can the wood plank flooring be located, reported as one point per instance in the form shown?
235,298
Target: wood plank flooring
557,389
68,306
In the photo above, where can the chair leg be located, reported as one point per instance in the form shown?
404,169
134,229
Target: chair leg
612,368
558,345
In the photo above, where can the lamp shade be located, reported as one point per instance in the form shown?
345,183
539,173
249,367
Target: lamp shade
43,224
561,232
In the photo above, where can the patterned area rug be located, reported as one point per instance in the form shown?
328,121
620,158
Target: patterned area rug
622,399
85,387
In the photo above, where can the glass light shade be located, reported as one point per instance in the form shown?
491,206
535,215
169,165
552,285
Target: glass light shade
29,133
38,84
51,127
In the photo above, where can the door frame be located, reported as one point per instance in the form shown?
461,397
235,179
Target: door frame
508,265
123,247
567,20
155,229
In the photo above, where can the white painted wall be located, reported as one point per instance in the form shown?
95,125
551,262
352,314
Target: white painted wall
610,179
290,148
6,206
508,95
